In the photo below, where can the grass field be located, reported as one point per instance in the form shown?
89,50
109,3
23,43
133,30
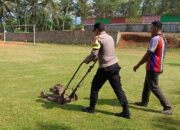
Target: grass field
26,70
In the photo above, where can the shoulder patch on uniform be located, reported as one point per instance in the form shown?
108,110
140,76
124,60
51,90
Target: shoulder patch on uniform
96,44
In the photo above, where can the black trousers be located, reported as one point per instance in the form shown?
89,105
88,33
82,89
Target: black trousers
151,84
111,74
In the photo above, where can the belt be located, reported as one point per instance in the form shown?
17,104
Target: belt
112,67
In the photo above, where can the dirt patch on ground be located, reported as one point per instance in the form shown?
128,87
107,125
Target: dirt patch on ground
142,39
13,43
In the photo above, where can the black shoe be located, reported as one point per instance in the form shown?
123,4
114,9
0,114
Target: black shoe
88,110
124,115
167,111
141,104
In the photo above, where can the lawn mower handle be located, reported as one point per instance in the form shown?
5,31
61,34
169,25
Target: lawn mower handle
72,77
88,71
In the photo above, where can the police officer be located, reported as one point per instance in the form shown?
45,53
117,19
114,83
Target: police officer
103,50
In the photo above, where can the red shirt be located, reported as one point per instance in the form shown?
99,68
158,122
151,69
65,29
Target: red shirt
157,47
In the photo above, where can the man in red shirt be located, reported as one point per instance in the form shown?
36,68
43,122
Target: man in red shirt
154,58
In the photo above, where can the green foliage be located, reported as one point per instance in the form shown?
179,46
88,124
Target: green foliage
150,7
79,27
106,8
82,9
170,7
58,14
66,8
130,8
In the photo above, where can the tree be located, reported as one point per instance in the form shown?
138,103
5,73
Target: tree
43,21
130,8
169,7
6,9
162,7
26,11
39,12
150,7
66,9
106,8
82,9
54,15
51,17
57,14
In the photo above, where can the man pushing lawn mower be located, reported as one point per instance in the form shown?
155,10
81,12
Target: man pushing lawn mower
103,50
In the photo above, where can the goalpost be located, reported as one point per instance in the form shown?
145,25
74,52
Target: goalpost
118,37
22,33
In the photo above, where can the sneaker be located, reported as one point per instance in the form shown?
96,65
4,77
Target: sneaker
141,104
167,111
124,115
88,110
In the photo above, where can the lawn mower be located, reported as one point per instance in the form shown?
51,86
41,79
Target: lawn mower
58,92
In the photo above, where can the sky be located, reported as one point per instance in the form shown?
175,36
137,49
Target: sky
76,20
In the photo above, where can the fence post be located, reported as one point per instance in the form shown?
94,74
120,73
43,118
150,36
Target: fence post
4,34
34,34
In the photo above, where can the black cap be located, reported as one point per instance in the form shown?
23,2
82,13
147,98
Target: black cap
157,24
99,26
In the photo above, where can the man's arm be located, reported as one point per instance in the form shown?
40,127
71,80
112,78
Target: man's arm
143,60
92,56
94,53
151,49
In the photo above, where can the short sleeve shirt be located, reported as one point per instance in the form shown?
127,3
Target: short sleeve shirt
157,47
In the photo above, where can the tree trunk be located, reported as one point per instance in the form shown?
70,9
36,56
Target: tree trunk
64,19
33,12
17,12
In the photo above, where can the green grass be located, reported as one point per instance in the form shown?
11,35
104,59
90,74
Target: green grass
26,70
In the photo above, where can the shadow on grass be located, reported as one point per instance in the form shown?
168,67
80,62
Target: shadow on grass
132,105
173,64
111,102
47,104
167,123
71,107
52,126
114,102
